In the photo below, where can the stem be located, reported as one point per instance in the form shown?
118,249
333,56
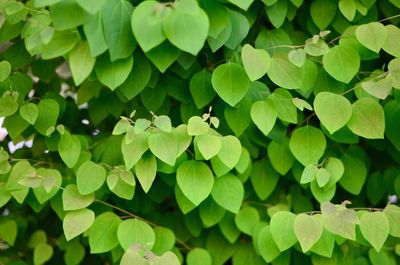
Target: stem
389,18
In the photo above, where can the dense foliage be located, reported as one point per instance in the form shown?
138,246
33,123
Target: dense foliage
207,132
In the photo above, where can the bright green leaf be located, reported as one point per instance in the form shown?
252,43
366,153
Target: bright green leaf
77,222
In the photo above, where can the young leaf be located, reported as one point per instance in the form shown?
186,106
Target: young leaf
77,222
228,192
283,73
42,253
282,229
333,110
297,57
231,83
196,126
134,231
368,119
69,148
308,230
255,61
307,144
322,176
392,213
195,180
375,229
134,150
309,174
230,151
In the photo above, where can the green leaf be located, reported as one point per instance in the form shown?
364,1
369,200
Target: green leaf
195,180
375,229
266,245
163,55
201,88
372,35
134,150
90,177
322,13
391,43
392,213
77,222
196,126
230,152
263,113
283,73
69,148
116,17
5,70
9,231
95,35
308,230
4,195
210,212
325,245
51,181
29,112
307,144
355,174
165,240
238,29
342,63
81,62
255,61
48,115
348,9
180,23
198,256
42,253
73,200
333,110
282,229
164,146
246,219
103,233
263,178
231,83
368,119
146,22
228,192
134,231
208,145
8,106
67,14
167,258
91,6
60,44
113,73
281,157
243,4
322,176
285,108
146,169
121,182
277,13
297,57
